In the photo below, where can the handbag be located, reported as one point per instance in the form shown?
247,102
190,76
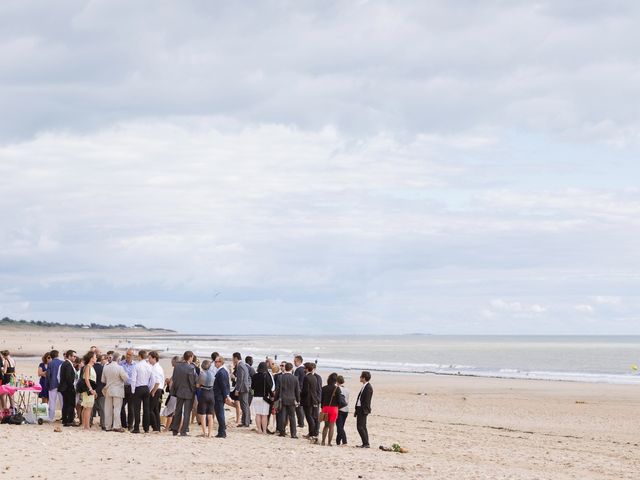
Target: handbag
323,416
81,385
342,402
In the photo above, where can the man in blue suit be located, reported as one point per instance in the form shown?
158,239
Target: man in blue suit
55,397
220,394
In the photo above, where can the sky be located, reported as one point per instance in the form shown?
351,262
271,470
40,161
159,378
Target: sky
363,167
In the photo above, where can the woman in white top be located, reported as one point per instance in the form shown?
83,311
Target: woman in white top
343,413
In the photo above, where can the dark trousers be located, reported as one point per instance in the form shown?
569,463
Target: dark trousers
154,409
218,407
68,406
280,420
183,408
98,409
311,413
341,437
287,412
361,424
244,406
300,415
141,399
126,413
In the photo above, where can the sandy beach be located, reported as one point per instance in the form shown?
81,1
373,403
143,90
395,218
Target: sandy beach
454,428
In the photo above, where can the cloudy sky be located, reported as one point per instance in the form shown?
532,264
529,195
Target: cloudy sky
322,167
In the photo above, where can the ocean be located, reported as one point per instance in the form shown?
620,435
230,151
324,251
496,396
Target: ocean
600,359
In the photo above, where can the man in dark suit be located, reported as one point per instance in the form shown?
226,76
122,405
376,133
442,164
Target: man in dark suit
67,388
288,392
299,374
220,395
183,387
363,408
310,400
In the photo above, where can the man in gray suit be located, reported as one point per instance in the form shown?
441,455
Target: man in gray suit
288,392
243,385
113,377
183,387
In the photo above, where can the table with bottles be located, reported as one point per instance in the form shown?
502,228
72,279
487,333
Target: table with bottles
25,387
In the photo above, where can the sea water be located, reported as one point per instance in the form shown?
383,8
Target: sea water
602,359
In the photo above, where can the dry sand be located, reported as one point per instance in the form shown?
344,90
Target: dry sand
463,428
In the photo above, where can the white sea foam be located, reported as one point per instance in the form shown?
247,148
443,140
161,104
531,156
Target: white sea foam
581,359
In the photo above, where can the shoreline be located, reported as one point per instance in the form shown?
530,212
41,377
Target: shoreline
126,338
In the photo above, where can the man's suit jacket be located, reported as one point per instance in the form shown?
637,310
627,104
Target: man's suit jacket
67,377
319,379
309,394
52,373
365,400
243,380
183,380
288,390
300,373
276,379
221,383
113,377
98,367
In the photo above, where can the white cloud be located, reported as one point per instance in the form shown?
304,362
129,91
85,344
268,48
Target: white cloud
585,309
516,307
607,300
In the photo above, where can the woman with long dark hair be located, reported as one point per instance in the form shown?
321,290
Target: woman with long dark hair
88,396
261,384
329,401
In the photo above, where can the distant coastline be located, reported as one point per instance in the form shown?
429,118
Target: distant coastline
9,322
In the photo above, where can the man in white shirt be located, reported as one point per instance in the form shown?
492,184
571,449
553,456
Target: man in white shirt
141,378
157,390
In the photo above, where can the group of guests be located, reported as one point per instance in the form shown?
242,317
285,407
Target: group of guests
127,394
120,391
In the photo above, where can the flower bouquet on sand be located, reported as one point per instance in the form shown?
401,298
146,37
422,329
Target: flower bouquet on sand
394,448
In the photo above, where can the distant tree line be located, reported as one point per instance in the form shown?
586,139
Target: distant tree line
92,326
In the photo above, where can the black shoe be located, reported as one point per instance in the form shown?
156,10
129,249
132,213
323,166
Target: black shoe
270,432
294,436
175,433
135,431
221,436
281,434
363,446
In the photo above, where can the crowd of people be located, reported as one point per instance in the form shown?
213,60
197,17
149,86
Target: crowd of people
132,393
